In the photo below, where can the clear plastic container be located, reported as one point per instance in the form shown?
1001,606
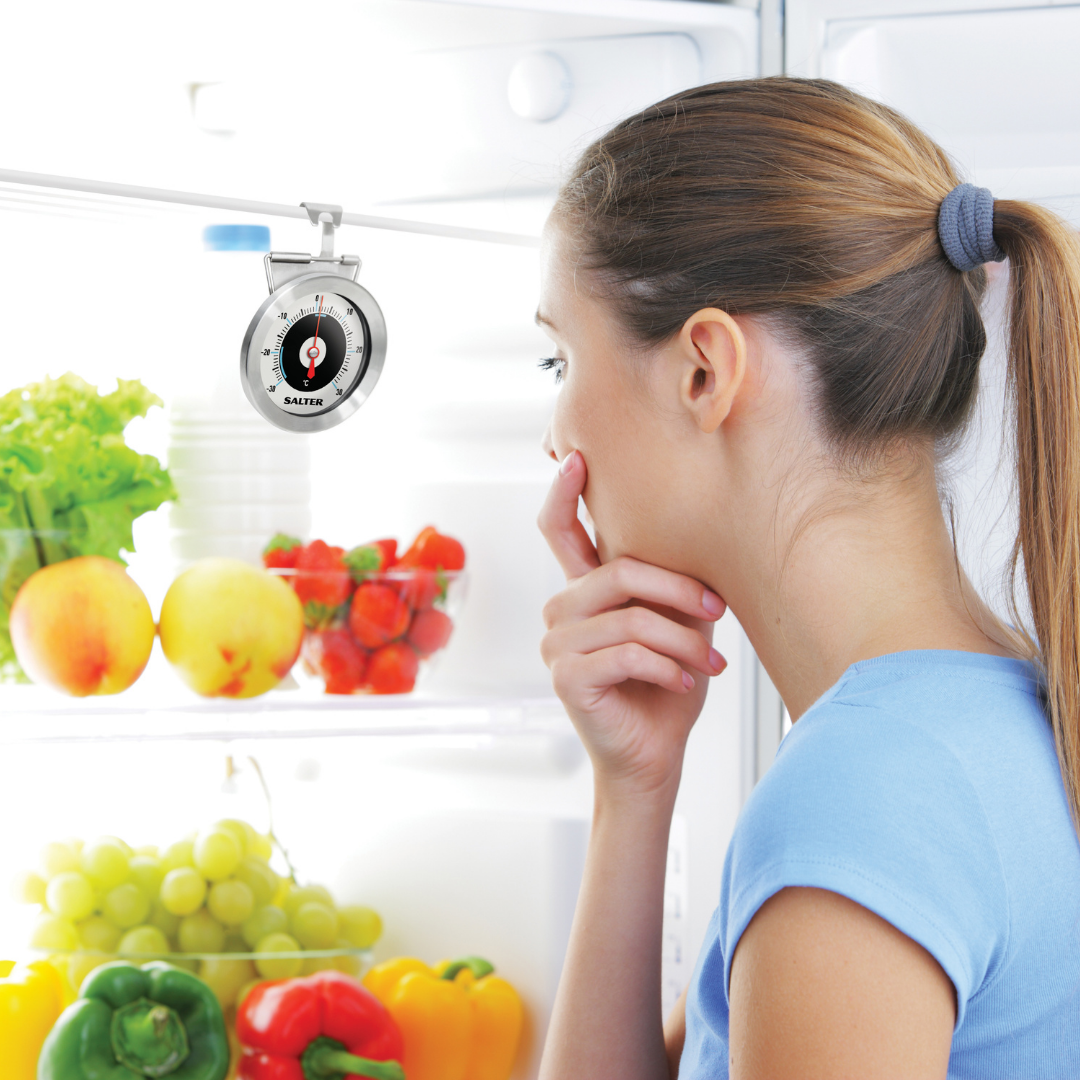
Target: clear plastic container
380,636
238,478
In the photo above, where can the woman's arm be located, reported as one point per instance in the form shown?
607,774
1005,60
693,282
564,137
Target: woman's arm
607,1020
822,987
620,669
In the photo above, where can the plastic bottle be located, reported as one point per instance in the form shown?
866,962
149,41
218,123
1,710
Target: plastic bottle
240,480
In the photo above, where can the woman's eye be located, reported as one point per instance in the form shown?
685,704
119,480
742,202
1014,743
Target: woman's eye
554,363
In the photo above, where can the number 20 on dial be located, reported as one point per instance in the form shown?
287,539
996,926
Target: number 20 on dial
313,352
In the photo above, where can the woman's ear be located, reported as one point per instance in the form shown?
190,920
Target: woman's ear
713,348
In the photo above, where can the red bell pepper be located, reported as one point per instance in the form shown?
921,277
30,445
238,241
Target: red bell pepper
322,1027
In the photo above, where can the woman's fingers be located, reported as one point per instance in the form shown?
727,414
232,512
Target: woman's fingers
624,579
688,647
577,677
559,523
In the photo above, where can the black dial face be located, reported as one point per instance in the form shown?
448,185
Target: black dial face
313,353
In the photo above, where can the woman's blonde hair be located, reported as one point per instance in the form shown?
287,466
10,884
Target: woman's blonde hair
804,200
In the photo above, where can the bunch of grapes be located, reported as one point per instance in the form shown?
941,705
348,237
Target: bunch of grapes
214,892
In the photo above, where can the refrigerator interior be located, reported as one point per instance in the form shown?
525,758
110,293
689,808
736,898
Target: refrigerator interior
460,814
997,86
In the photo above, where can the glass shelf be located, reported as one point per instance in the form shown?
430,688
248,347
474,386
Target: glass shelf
156,713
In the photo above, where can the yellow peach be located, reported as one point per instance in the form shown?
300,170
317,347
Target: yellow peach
230,629
82,626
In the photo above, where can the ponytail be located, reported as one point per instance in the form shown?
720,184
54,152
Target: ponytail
1044,386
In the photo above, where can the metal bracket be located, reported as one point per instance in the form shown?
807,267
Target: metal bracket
285,266
328,215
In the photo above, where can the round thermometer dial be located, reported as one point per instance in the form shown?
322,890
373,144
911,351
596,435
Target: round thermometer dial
313,352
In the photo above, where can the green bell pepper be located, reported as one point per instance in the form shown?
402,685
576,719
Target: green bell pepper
133,1022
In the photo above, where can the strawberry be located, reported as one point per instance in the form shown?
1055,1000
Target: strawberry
281,552
389,550
322,582
433,550
429,632
369,559
377,615
392,669
422,588
337,658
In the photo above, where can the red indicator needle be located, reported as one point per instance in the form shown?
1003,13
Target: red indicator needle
313,352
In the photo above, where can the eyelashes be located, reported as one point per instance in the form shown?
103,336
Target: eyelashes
553,363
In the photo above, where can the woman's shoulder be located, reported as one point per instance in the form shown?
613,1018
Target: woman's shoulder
880,793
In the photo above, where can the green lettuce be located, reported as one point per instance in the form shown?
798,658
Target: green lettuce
69,484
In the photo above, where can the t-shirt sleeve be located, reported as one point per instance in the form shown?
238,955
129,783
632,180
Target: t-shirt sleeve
867,805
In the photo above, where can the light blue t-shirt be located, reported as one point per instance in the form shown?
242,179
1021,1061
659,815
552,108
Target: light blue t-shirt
924,786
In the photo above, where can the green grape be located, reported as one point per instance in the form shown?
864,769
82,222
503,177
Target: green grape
226,977
71,895
81,964
183,891
346,962
187,965
28,888
240,831
217,854
286,968
263,921
304,894
125,847
144,941
126,906
58,858
164,920
314,925
52,933
147,873
258,877
310,964
105,863
98,935
234,942
149,850
360,926
178,855
261,847
201,933
230,902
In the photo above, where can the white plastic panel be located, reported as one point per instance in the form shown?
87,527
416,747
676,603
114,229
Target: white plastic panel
1000,90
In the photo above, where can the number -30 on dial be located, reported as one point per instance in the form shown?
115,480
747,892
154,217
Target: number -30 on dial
313,352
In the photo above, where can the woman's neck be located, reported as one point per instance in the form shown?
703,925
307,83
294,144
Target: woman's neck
877,575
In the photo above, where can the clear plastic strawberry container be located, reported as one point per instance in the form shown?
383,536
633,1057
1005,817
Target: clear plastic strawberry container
376,635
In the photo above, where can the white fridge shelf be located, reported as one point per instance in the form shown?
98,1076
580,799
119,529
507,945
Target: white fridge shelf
35,714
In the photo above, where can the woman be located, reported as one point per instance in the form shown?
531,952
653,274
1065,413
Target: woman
765,300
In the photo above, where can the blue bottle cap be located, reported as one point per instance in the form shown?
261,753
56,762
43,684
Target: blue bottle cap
236,238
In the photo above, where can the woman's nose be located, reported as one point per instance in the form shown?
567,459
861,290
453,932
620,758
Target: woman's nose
547,445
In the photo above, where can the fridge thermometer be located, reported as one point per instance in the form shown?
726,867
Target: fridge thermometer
315,348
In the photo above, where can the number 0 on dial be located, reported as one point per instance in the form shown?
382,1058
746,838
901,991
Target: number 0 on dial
313,352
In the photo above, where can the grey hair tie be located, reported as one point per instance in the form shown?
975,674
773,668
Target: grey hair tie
965,227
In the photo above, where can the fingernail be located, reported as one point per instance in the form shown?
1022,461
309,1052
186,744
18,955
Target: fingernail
567,463
716,661
688,680
712,603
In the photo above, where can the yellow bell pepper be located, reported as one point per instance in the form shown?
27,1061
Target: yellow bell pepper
459,1021
31,999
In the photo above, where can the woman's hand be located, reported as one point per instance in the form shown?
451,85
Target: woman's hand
627,644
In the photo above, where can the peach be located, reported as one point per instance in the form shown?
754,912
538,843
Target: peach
230,629
82,626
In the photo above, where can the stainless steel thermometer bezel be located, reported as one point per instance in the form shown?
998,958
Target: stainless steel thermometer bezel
281,299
